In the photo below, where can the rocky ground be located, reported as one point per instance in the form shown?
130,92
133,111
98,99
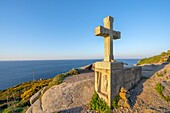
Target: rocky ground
144,97
74,94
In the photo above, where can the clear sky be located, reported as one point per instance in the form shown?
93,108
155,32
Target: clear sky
64,29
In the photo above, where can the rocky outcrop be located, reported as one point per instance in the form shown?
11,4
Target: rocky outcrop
73,93
144,97
35,97
76,91
86,68
124,95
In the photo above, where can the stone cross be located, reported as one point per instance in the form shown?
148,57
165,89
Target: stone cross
109,34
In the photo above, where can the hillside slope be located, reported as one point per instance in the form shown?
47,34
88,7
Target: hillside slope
163,57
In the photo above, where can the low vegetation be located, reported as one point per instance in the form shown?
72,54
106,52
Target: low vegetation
165,71
60,77
159,74
98,105
159,88
163,57
115,102
16,99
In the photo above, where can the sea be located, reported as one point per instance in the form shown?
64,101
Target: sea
15,72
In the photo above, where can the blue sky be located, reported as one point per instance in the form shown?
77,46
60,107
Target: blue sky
64,29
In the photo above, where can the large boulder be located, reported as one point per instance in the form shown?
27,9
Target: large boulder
73,93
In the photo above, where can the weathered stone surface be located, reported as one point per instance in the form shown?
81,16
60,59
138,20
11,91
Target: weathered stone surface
117,77
116,65
149,67
148,110
35,108
166,91
128,75
121,102
124,94
115,90
73,93
126,104
149,70
43,90
87,67
129,85
35,97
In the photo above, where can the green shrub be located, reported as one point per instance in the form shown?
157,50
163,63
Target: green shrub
165,71
73,72
115,102
97,104
19,95
159,88
159,74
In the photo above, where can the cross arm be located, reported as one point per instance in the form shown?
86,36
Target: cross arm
116,34
101,31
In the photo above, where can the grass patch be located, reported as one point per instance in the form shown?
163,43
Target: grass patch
115,102
99,105
159,74
159,88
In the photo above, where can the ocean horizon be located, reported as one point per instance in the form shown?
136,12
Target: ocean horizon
13,73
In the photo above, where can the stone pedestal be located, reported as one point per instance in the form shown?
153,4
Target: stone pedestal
103,76
111,76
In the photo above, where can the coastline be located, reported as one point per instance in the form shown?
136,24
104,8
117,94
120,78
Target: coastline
22,71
